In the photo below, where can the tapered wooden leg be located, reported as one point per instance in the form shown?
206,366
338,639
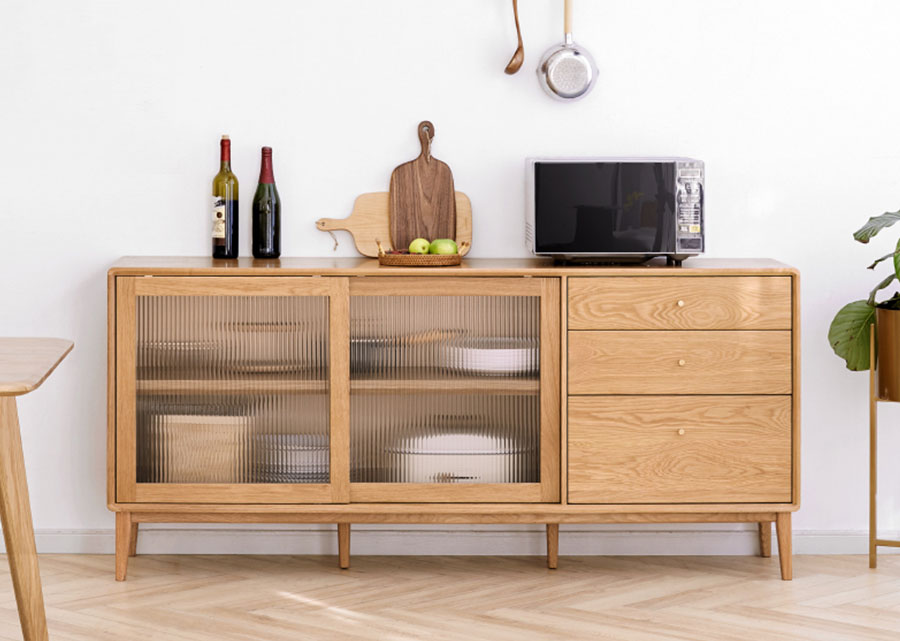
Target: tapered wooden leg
132,547
124,533
783,531
18,532
552,545
873,455
765,539
344,545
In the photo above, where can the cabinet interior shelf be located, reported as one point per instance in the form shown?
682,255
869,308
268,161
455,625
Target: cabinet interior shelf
482,385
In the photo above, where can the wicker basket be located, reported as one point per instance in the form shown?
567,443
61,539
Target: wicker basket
419,260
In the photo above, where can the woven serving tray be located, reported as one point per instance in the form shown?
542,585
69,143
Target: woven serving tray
419,260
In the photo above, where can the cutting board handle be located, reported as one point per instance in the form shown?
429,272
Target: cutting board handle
426,135
331,224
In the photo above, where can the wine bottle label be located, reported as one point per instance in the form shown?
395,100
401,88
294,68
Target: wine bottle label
218,230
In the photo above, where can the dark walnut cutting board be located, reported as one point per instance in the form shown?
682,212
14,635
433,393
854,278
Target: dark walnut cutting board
423,202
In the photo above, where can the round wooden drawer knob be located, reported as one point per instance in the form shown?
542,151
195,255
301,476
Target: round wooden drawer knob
681,432
682,362
680,303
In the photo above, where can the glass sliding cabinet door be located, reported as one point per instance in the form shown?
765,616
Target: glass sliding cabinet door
454,390
293,390
230,389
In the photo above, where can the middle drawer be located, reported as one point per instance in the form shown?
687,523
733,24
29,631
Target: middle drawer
679,362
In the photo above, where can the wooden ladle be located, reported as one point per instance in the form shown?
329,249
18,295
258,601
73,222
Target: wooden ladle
515,63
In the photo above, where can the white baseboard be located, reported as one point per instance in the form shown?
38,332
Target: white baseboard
576,540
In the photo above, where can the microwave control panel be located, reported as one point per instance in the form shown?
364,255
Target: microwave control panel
689,206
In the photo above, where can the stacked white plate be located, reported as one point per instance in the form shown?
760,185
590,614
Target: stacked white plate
494,356
291,458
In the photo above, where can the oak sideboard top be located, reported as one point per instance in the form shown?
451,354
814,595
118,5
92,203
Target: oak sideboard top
206,266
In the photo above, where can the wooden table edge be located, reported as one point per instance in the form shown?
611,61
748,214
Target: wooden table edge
20,388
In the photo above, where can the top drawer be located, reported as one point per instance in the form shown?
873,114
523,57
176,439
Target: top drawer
680,302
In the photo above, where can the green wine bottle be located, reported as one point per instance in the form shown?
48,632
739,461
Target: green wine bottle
225,206
266,211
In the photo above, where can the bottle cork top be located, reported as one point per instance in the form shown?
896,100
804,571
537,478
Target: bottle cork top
225,137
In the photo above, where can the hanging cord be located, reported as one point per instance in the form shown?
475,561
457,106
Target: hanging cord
334,238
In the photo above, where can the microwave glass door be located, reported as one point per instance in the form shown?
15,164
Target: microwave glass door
604,207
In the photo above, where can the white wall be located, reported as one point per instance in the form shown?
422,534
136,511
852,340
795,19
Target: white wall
110,114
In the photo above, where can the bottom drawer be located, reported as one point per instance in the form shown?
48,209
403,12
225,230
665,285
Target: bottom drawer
679,449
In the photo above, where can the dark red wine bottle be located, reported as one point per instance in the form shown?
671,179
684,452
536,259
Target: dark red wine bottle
225,206
266,211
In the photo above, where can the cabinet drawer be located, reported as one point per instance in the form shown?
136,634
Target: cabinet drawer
679,362
680,302
689,449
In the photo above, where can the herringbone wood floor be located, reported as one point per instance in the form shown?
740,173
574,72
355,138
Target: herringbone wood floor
271,598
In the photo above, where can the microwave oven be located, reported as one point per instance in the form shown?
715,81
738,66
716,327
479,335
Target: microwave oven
615,209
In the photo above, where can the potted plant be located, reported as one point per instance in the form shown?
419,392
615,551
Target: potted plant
849,331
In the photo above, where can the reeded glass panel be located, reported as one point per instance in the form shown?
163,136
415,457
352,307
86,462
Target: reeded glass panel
445,389
232,389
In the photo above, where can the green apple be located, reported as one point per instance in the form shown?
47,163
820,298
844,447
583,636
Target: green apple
419,246
443,246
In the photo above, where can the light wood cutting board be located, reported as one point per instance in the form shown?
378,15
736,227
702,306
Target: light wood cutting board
370,222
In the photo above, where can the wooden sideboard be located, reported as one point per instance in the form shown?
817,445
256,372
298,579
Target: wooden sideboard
501,391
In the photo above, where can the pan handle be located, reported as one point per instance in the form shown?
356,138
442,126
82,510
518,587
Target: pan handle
568,19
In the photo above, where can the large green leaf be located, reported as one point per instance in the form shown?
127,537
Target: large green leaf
897,259
875,224
849,334
887,281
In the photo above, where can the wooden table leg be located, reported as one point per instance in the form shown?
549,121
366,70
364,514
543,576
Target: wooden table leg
132,548
344,545
783,530
552,545
124,533
18,532
765,539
